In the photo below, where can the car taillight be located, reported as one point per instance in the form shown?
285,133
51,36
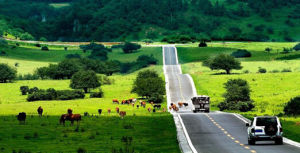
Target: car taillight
280,129
253,130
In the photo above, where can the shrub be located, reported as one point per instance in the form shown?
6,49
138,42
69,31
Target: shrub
28,77
105,80
45,48
292,107
246,71
81,150
245,106
52,94
202,44
145,60
268,49
2,53
24,90
286,70
262,70
37,45
130,47
275,71
7,73
33,90
156,98
241,53
297,47
97,94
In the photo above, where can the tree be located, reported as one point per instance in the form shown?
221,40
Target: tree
237,96
223,62
112,67
149,84
85,80
45,48
202,44
297,47
130,47
68,67
7,73
292,107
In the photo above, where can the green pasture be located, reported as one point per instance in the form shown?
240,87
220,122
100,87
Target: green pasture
153,134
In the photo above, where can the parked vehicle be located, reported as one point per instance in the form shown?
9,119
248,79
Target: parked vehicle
201,103
265,128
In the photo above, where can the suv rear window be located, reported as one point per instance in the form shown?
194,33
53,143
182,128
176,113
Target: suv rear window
266,121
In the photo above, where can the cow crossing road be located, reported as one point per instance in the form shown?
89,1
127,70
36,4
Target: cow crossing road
215,132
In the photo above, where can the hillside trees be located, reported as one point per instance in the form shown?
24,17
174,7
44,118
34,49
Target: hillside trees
130,47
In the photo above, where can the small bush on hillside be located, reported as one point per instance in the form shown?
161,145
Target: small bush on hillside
105,80
2,53
24,90
268,49
33,90
241,53
202,44
286,70
130,47
28,77
275,71
262,70
287,50
45,48
97,94
52,94
37,45
246,71
292,107
297,47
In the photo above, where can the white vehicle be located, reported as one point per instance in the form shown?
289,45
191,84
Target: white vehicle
201,103
265,128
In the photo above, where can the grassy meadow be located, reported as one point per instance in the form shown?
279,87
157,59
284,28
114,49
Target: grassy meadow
139,131
270,91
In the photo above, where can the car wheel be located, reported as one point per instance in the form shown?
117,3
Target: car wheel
251,142
207,111
279,141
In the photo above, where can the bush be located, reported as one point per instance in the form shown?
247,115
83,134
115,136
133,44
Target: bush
156,98
145,60
45,48
7,73
297,47
2,53
292,107
241,53
52,94
286,70
275,71
24,90
105,80
262,70
28,77
130,47
37,45
268,49
97,94
245,106
246,71
202,44
33,90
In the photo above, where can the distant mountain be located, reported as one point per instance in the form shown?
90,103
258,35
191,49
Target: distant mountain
125,20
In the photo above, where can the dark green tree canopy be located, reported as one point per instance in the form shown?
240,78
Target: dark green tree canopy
7,73
148,84
85,80
130,47
293,107
223,62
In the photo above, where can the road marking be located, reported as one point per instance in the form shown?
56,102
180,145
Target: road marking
187,135
228,135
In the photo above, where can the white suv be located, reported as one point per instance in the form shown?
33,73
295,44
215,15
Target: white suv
265,128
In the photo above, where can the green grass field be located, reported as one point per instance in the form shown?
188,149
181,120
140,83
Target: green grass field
96,134
150,132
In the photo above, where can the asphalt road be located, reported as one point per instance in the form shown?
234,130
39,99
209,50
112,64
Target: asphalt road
212,132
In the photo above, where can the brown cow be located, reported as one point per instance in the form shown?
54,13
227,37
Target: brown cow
149,109
132,104
117,109
143,104
180,104
122,114
109,111
115,101
40,111
164,109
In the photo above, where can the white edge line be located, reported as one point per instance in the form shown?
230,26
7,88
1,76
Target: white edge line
187,135
285,140
193,85
166,80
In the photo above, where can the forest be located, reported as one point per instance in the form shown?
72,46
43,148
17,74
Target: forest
157,20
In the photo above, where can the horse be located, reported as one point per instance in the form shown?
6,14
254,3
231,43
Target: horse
70,117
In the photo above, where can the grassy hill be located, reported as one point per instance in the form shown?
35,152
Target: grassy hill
120,20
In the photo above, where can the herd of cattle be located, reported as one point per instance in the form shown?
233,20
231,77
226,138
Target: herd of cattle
77,117
175,108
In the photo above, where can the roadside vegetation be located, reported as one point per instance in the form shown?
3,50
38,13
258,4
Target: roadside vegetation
271,76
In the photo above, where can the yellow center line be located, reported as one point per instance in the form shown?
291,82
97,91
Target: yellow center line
228,135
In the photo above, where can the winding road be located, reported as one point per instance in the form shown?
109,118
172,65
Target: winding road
214,132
